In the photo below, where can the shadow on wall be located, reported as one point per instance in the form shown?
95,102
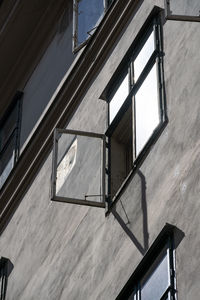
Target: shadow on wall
6,268
141,243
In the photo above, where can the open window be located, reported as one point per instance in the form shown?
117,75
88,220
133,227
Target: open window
135,96
9,138
79,167
154,277
87,15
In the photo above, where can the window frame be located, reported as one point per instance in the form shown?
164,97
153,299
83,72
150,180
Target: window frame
164,240
153,23
75,44
79,201
14,133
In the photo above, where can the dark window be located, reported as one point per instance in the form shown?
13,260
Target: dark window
87,16
136,104
9,138
6,268
155,276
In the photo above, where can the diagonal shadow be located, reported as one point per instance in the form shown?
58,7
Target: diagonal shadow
141,247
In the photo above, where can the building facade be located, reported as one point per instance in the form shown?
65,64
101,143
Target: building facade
99,148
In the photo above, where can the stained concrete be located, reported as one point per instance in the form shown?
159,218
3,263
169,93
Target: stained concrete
64,251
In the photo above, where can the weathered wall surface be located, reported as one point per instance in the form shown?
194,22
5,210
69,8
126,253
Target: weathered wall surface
48,74
63,251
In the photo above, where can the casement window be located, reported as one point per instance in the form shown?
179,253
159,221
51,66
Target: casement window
79,167
87,15
9,138
136,109
154,278
90,168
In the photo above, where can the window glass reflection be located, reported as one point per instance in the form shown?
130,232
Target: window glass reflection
157,283
146,110
118,98
90,14
143,56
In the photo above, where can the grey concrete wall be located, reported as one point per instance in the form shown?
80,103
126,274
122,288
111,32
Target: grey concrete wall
64,251
49,72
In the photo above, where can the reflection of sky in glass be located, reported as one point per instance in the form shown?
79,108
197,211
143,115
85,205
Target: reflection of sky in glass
157,283
143,56
90,14
146,110
119,97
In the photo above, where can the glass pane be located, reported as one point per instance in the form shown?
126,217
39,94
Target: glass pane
90,14
185,7
118,98
146,110
7,160
143,56
79,167
157,282
8,126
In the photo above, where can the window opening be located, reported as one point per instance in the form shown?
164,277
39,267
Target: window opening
9,138
136,104
6,268
154,278
182,11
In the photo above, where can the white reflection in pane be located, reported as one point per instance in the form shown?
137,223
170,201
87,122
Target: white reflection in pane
143,56
146,110
118,98
155,286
